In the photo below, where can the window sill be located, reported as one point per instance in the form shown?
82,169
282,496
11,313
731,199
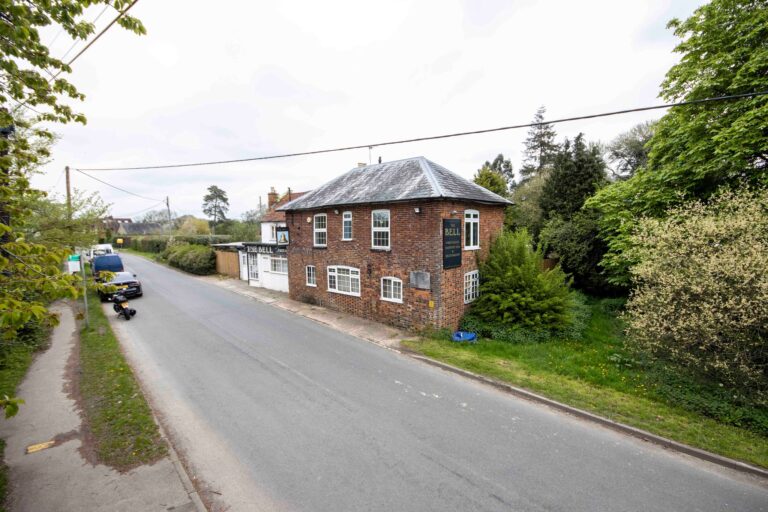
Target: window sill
381,249
347,239
312,285
395,301
344,293
472,248
319,246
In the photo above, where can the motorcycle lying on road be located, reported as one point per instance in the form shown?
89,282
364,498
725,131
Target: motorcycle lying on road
121,307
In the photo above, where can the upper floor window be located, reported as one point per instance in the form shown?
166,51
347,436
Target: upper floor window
391,289
273,232
380,229
344,280
471,229
346,226
321,230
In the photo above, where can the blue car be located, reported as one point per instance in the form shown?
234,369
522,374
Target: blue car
108,263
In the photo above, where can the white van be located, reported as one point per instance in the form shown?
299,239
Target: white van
99,250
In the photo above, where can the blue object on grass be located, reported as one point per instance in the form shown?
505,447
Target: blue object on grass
465,336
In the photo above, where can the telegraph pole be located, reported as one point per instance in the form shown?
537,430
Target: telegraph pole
168,207
69,195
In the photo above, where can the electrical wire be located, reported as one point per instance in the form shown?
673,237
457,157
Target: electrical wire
131,215
121,189
77,41
20,260
434,137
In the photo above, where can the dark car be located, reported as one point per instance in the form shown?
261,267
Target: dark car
126,284
108,263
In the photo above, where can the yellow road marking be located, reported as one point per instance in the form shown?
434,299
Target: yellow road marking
39,446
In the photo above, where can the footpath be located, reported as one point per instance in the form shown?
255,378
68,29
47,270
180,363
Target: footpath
48,457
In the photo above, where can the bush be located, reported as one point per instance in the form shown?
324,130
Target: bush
516,292
195,259
701,301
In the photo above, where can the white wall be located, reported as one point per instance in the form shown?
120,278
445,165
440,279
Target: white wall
266,231
269,279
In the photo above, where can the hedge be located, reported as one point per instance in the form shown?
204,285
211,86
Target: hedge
195,259
157,244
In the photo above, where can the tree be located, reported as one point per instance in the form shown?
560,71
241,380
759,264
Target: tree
540,146
503,166
52,224
525,211
160,216
578,171
216,204
252,216
30,274
701,301
194,226
491,180
628,152
697,149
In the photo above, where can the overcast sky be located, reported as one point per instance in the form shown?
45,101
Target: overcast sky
247,78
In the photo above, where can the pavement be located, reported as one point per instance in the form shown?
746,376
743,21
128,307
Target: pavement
274,411
63,477
384,335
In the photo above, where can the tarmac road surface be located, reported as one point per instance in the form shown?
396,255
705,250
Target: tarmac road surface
276,412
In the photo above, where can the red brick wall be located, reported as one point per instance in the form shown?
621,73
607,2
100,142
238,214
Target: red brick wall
415,245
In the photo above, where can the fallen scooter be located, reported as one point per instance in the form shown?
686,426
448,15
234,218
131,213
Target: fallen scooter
121,307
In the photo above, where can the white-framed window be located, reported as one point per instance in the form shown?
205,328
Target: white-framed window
392,289
471,286
273,233
311,276
380,229
471,229
345,280
321,230
346,226
278,264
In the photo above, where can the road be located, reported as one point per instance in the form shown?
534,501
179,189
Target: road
277,412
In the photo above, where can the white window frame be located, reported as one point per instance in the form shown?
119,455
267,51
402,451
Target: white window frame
471,286
472,238
253,266
393,281
316,231
311,272
379,229
275,259
346,217
273,233
335,276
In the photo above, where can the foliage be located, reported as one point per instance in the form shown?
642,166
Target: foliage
578,171
240,231
216,204
580,249
502,166
525,212
701,300
159,216
696,149
195,259
515,291
158,243
628,152
49,222
15,359
193,226
491,180
540,146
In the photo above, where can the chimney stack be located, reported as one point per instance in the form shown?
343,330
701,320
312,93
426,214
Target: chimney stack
271,198
361,164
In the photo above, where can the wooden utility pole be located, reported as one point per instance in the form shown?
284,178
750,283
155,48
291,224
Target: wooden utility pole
168,207
69,195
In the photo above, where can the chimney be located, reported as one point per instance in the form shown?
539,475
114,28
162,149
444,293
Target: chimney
271,198
361,164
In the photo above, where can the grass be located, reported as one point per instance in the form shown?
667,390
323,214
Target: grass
597,374
154,256
117,414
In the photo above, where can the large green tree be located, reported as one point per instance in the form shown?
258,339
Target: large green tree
578,171
540,146
491,180
34,88
628,152
697,149
216,204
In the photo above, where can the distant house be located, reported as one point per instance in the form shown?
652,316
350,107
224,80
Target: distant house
113,223
267,265
140,228
397,242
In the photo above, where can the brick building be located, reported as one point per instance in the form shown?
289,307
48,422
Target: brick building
396,242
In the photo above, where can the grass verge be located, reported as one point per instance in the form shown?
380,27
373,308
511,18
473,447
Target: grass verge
118,416
597,375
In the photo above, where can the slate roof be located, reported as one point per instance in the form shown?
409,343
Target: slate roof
401,180
140,228
278,216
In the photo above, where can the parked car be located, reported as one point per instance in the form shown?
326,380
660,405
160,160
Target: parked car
127,285
108,263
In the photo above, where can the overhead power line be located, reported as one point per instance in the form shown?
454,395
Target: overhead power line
433,137
120,189
76,41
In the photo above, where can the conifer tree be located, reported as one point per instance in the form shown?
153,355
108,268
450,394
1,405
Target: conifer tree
540,146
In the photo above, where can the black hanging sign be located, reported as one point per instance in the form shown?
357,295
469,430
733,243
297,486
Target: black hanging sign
451,243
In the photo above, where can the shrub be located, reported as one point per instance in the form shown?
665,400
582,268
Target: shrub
195,259
701,301
515,290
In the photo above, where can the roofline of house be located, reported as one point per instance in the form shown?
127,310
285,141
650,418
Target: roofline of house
408,200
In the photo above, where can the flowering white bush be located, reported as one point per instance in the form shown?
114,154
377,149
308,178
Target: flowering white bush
701,296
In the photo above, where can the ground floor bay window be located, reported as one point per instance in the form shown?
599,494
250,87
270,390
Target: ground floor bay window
344,280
